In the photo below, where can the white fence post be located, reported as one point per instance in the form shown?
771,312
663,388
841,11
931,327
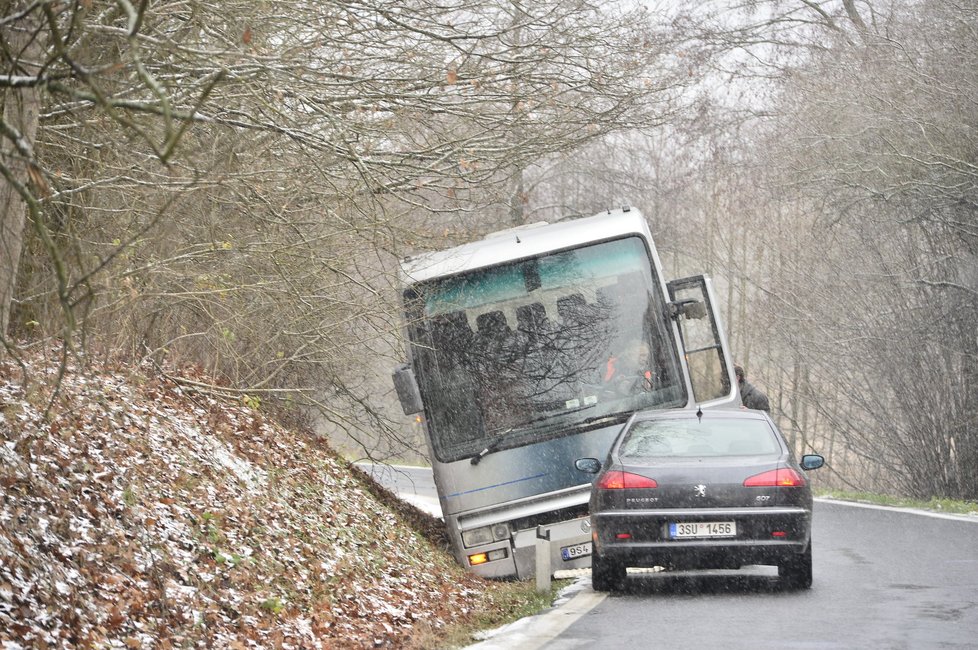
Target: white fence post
543,559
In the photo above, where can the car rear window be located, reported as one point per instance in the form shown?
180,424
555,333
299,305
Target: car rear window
706,437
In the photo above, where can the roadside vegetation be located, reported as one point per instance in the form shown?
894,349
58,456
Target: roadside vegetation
231,184
950,506
208,200
138,514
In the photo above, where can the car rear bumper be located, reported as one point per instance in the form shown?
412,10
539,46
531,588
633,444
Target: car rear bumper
702,555
641,538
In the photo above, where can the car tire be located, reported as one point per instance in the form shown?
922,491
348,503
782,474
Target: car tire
796,572
605,574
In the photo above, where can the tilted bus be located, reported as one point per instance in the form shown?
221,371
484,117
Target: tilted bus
528,350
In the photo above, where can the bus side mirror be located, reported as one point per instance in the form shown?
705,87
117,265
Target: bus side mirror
589,465
691,309
407,390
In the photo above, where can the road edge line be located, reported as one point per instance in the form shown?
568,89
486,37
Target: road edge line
533,632
910,511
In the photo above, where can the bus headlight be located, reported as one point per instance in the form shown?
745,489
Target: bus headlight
485,534
500,532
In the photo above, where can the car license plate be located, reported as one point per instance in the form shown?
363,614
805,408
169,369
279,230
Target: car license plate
701,529
575,551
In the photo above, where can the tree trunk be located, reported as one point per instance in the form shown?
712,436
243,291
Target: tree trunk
20,115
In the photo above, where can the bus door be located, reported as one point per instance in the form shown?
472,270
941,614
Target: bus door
693,307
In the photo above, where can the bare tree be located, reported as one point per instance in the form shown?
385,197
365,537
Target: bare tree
21,57
825,176
229,183
876,297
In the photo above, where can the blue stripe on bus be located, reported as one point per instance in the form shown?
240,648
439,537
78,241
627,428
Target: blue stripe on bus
490,487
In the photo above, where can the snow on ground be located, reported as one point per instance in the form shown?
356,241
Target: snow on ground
137,514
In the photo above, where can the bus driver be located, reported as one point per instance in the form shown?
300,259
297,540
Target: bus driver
629,371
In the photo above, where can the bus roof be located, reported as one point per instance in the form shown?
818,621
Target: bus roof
523,242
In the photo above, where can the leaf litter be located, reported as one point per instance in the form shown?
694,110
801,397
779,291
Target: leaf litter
141,515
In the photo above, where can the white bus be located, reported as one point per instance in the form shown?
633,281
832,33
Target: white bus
528,350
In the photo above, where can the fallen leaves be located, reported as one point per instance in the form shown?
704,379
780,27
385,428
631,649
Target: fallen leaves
139,515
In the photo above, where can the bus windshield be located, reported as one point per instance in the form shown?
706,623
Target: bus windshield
541,347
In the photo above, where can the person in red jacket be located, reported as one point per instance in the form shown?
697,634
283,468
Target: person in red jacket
629,372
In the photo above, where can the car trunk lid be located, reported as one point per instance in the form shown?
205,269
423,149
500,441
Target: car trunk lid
702,483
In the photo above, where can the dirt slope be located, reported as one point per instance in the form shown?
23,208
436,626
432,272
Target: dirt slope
138,514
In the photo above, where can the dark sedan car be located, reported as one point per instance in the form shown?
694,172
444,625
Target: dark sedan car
700,490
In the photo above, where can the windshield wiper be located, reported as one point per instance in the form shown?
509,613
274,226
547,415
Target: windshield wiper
491,447
521,428
614,417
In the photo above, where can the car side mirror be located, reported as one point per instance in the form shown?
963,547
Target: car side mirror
811,461
589,465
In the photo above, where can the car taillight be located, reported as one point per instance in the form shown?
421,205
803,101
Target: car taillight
618,480
781,477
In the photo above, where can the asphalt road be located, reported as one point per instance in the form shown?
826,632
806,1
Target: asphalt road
883,579
413,484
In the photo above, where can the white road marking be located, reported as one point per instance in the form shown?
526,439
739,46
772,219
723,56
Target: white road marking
535,632
913,511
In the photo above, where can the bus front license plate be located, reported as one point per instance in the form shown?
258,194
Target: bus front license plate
575,551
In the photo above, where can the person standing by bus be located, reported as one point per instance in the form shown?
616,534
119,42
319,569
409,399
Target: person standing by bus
751,396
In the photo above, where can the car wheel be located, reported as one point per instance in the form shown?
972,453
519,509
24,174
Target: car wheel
605,574
796,572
